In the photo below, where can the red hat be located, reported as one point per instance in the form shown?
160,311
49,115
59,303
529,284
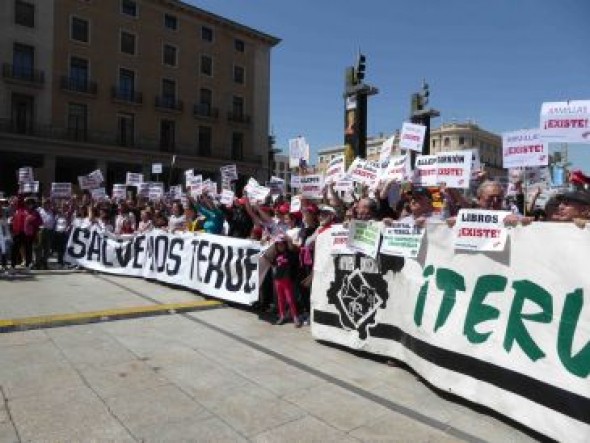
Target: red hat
284,208
311,208
241,201
256,232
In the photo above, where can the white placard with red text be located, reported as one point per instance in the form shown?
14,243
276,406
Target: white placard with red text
524,148
566,121
312,186
363,171
454,168
480,230
227,198
412,137
425,170
335,170
399,168
339,235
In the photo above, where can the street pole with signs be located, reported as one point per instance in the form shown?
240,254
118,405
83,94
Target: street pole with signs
421,114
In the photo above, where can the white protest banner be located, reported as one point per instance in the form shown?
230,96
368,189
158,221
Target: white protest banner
276,186
28,187
402,240
412,137
363,171
566,121
398,169
209,187
475,164
156,168
97,176
298,151
230,172
386,150
119,191
156,191
335,170
87,182
223,267
143,190
345,184
295,204
61,190
480,230
339,244
258,193
454,168
134,178
227,198
195,186
507,330
425,171
312,186
295,181
25,174
98,194
176,192
188,175
524,148
364,236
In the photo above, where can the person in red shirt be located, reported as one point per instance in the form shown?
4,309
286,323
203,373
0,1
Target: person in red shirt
25,226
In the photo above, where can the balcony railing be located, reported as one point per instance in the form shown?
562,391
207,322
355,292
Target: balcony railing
238,117
205,110
169,103
23,74
81,85
127,96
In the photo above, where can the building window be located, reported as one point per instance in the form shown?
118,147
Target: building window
24,14
170,22
206,99
79,30
127,43
434,143
239,75
204,141
168,93
22,113
169,55
206,34
446,142
239,45
77,121
206,65
129,7
23,61
238,106
461,140
237,146
125,129
126,84
79,73
167,135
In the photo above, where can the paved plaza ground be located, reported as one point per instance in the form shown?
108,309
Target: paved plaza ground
217,374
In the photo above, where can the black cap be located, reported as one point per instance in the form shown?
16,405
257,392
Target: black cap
580,196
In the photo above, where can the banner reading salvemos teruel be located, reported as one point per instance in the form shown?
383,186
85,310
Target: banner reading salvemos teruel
222,267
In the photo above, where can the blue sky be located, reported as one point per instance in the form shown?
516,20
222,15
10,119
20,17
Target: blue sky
494,62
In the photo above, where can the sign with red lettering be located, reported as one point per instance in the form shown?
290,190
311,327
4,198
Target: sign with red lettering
312,186
339,235
524,148
425,170
399,168
335,170
454,168
363,171
480,230
566,121
412,137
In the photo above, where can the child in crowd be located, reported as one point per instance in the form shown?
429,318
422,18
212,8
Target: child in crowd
283,264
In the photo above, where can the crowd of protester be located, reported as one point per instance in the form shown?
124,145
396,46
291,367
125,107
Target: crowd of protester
32,229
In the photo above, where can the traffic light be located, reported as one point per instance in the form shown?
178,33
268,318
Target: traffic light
360,68
425,93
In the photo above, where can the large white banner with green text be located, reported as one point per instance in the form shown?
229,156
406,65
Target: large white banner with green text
509,330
